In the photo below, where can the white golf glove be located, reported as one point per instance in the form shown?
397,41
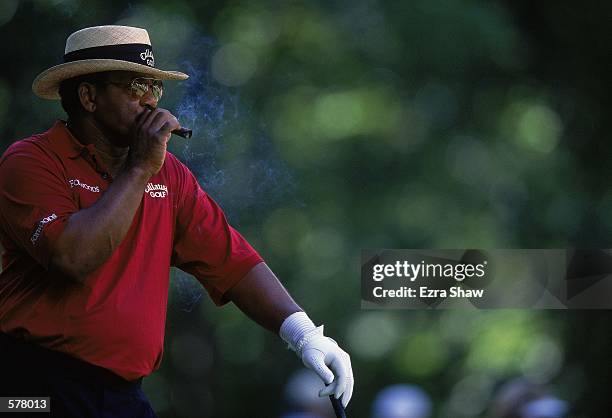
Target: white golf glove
321,354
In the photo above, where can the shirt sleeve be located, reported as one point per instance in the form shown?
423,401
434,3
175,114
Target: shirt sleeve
35,201
205,245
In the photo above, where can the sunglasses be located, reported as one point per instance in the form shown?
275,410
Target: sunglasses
142,85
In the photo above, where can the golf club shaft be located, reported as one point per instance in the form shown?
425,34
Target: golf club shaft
338,408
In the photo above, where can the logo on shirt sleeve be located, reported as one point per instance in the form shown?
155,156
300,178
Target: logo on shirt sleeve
78,183
41,226
156,190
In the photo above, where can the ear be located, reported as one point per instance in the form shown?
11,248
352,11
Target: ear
87,96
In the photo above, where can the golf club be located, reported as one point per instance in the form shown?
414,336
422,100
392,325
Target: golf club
338,408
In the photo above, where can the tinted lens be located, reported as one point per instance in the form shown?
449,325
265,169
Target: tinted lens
140,87
158,89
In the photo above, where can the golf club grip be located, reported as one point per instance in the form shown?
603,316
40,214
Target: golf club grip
338,408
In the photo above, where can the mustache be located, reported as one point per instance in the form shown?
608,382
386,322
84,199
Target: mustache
182,131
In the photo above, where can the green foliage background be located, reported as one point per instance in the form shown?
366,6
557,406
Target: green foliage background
327,127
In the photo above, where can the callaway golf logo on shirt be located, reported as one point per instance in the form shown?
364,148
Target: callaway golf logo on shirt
156,190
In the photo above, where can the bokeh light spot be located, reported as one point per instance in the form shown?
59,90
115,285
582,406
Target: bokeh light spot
373,335
423,354
233,64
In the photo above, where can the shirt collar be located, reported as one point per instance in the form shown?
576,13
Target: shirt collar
65,143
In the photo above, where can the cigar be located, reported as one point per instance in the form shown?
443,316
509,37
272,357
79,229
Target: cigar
182,132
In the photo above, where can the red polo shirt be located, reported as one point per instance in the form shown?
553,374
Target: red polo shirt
116,318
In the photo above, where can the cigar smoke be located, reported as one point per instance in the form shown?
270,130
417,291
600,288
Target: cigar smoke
234,159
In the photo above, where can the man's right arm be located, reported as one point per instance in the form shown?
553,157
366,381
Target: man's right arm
91,235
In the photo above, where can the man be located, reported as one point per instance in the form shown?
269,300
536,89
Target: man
93,213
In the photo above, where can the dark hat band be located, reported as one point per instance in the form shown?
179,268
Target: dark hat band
136,53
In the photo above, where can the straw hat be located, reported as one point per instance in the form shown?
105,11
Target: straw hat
102,48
